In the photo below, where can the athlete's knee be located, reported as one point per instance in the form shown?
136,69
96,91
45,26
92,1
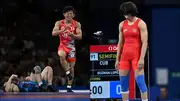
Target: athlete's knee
140,80
124,80
49,69
62,55
72,64
139,72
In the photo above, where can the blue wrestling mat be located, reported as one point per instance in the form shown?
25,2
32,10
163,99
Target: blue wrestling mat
44,97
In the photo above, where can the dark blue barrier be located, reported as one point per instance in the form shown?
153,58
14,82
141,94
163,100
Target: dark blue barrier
165,46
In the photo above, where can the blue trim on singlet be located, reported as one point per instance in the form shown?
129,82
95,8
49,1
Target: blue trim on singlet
29,86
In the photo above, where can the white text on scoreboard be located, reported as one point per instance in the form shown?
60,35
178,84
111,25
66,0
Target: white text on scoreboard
93,56
103,63
105,89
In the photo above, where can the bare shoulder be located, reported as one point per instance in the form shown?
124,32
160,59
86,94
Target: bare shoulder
142,23
121,24
78,24
58,22
5,84
48,67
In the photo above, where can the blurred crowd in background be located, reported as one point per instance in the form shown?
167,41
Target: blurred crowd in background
26,41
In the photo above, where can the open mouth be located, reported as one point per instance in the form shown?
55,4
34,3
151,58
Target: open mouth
69,17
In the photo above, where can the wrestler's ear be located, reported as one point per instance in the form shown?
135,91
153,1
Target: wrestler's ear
74,15
64,14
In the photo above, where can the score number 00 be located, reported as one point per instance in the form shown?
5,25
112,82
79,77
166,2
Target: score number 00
97,90
105,89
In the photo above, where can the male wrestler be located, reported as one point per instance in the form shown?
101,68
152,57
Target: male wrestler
37,82
68,31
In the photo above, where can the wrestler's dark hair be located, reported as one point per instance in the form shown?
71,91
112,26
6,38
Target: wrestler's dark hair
128,8
69,8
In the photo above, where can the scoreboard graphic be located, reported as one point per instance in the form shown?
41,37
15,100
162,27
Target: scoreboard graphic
104,78
102,60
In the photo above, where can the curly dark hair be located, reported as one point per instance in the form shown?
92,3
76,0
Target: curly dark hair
128,8
69,8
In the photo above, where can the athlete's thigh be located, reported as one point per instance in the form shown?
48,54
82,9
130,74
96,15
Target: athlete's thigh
44,74
33,77
134,63
38,77
124,67
135,67
71,58
62,51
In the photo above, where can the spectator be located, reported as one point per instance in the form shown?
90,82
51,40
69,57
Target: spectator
163,94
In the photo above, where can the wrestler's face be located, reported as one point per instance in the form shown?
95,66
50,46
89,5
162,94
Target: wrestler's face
129,17
69,15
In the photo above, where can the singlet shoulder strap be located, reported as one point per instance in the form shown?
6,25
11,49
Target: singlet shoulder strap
62,22
125,22
137,21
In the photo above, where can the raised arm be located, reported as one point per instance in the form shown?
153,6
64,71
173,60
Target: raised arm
8,84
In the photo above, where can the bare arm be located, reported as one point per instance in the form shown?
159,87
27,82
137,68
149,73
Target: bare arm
8,87
144,38
120,42
56,31
78,35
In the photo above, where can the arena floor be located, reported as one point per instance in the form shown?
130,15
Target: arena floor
61,96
